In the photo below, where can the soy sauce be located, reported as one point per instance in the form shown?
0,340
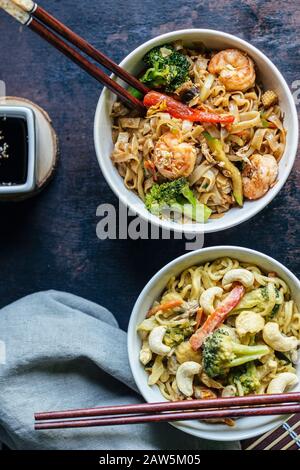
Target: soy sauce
13,150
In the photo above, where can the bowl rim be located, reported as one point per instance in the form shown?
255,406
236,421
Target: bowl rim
256,206
229,434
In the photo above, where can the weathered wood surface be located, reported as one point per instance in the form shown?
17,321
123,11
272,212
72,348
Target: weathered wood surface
50,241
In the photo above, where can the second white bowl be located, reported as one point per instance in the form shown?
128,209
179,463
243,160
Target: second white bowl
245,427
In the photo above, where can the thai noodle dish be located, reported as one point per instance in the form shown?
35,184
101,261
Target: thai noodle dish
211,137
224,328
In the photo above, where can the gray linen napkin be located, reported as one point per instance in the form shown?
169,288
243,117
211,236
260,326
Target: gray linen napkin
65,352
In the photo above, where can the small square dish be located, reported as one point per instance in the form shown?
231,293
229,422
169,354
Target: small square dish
17,151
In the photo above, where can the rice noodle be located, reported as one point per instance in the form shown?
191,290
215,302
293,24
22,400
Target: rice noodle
255,130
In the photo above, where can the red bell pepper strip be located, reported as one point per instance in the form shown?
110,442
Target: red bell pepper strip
181,111
198,318
214,320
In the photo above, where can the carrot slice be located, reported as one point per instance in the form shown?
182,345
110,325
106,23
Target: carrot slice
149,165
199,315
164,307
217,317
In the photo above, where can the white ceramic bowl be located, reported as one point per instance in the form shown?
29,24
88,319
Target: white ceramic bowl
271,78
245,427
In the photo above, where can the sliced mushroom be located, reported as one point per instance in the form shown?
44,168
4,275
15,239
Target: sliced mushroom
209,382
269,367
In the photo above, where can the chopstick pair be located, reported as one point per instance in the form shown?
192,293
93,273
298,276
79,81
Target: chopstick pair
254,405
52,30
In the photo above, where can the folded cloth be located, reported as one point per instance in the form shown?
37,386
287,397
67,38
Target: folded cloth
65,352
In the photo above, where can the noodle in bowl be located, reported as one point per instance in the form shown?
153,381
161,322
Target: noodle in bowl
167,279
270,78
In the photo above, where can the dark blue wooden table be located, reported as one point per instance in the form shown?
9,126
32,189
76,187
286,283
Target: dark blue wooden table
50,242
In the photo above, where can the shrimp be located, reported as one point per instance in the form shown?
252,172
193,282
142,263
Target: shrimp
235,69
259,175
174,158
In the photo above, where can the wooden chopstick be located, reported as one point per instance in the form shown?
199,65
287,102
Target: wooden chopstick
25,18
211,403
89,67
53,23
176,416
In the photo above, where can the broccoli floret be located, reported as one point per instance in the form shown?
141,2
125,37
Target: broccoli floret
273,313
245,379
180,66
168,68
158,54
221,353
258,297
176,196
175,335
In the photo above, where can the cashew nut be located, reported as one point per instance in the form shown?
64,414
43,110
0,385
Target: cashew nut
185,375
156,341
281,382
249,322
145,353
207,298
241,275
276,340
